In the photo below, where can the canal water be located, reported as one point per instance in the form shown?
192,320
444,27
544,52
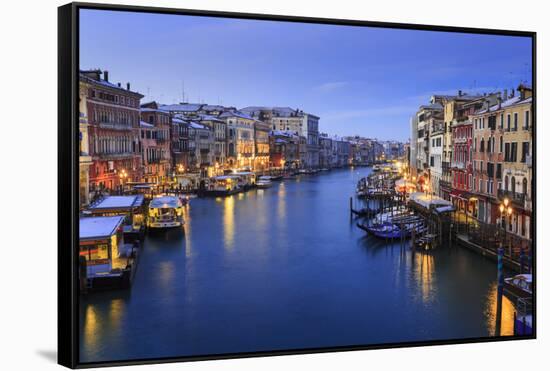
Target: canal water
286,268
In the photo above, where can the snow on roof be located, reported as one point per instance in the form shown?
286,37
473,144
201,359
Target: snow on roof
444,209
118,202
507,103
144,124
165,202
99,226
209,118
236,114
276,111
426,201
432,106
209,107
178,120
107,83
147,109
183,107
195,125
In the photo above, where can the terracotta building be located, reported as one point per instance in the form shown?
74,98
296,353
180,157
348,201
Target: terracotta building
113,130
155,140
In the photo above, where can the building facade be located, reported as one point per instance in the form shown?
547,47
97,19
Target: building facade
155,140
113,127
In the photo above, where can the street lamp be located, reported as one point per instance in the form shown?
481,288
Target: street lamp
123,175
505,211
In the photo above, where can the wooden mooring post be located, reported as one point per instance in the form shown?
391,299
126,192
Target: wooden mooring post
500,290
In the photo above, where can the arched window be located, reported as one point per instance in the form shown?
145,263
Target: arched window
524,187
506,183
513,185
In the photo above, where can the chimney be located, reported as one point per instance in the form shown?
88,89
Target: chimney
127,86
460,93
505,94
499,100
512,93
118,84
106,75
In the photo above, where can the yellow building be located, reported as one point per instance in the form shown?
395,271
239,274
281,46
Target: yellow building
515,119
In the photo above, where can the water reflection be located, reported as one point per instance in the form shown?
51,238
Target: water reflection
90,329
508,309
424,266
229,222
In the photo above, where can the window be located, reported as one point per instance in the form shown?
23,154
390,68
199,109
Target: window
515,122
513,185
501,144
490,169
526,123
524,151
502,120
507,152
499,171
514,152
508,121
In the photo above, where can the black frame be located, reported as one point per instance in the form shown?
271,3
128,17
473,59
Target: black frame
68,179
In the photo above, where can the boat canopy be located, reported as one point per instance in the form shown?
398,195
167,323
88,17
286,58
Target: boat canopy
527,277
165,202
117,202
99,226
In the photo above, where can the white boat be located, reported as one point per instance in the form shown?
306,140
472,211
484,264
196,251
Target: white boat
165,212
264,182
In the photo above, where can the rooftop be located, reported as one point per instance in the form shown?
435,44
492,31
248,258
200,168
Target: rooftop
99,226
118,202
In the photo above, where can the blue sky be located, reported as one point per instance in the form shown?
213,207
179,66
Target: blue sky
365,81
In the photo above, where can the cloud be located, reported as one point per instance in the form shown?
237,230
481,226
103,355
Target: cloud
331,86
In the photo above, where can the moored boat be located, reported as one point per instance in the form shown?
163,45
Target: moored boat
223,185
264,182
520,285
165,212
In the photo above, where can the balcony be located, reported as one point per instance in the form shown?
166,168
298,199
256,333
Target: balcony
115,126
516,198
458,165
116,156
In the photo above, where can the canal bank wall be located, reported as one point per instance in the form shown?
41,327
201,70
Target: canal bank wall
462,240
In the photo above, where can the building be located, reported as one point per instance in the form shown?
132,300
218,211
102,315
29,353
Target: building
219,128
155,139
311,125
413,147
284,149
436,137
261,143
293,120
85,160
113,128
240,139
201,144
461,163
426,116
180,144
325,151
515,118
